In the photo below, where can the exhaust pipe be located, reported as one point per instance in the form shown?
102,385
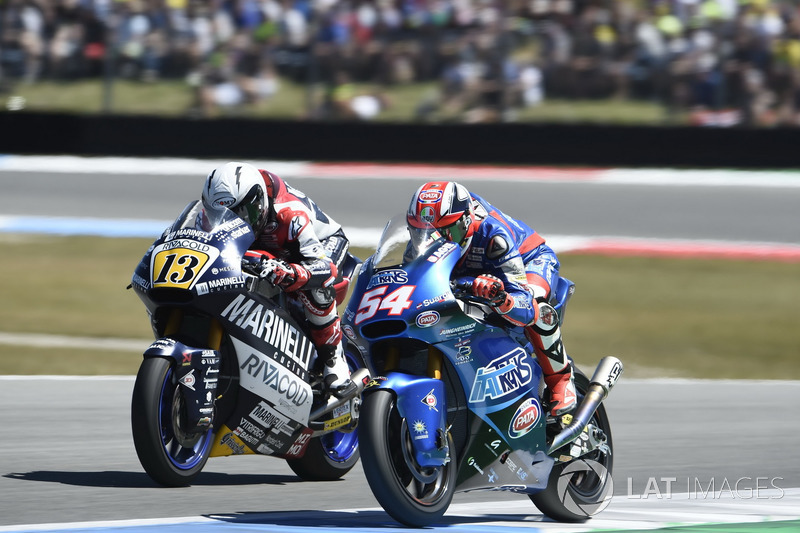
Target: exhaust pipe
605,377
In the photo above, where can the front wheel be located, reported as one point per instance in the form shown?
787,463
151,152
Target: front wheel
170,455
579,489
413,495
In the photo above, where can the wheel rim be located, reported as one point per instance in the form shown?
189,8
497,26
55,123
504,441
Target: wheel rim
184,450
338,445
586,484
426,486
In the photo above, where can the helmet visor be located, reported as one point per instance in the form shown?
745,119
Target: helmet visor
251,208
456,232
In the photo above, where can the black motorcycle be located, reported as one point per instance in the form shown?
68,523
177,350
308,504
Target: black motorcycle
233,369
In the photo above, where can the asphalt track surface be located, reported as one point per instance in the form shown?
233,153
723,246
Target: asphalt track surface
681,205
66,455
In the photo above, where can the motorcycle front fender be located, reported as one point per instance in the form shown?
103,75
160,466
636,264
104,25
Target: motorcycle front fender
197,371
421,403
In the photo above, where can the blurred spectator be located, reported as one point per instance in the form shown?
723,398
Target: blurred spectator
716,62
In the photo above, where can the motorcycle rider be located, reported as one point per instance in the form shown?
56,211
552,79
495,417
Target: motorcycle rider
307,245
513,268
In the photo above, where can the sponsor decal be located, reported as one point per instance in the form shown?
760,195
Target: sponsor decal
277,378
388,277
245,437
216,270
188,233
225,201
296,226
235,234
493,446
442,252
189,380
431,401
420,429
430,196
246,314
473,463
348,330
427,319
232,441
430,301
140,282
337,422
222,284
428,214
458,331
270,418
187,244
505,375
525,418
298,447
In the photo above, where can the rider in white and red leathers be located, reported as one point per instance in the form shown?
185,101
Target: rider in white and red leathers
514,269
308,245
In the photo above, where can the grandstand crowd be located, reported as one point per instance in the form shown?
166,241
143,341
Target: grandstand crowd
719,62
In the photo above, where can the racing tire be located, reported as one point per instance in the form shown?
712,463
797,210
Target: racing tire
171,456
585,483
411,494
329,457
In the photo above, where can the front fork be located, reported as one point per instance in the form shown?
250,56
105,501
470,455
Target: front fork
196,369
421,402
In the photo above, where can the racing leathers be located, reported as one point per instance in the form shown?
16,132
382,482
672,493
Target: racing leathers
513,253
311,248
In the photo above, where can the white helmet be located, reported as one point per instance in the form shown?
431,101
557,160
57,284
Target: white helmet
239,187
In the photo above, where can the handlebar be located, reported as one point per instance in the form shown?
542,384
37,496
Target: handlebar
462,286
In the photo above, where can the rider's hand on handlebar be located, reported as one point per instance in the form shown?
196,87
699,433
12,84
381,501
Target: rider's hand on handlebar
278,273
487,287
491,288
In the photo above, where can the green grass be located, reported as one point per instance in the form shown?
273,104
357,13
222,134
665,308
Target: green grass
662,317
175,98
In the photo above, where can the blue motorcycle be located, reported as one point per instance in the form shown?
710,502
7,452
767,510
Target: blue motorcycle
457,402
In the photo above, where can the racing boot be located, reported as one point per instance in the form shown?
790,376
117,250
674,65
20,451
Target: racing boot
335,373
562,391
545,335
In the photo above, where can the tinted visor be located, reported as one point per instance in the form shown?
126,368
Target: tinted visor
251,208
456,232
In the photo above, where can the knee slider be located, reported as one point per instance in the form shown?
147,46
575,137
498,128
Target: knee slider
548,319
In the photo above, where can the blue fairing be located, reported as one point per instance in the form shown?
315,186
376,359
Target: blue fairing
414,300
420,401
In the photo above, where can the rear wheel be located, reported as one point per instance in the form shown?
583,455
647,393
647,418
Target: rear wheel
168,453
413,495
330,456
579,489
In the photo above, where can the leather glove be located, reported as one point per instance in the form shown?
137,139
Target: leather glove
487,287
288,276
491,289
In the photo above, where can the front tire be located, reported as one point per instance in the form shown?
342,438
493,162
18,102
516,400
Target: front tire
585,482
170,455
411,494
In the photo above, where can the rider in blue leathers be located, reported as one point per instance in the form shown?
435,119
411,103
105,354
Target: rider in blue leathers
513,268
